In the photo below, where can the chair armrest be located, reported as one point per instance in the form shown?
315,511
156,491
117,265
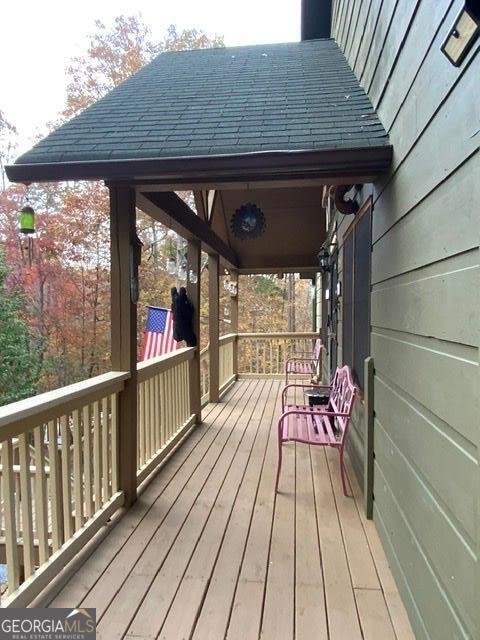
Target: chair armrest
298,360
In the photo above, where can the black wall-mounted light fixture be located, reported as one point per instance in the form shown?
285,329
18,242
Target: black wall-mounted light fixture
324,260
325,256
463,33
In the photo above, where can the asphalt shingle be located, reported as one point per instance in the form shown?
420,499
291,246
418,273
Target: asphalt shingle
234,100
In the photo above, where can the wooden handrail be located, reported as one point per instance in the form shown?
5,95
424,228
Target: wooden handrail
149,368
19,417
226,339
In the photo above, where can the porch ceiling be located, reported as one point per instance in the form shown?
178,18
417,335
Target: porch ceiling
294,231
281,111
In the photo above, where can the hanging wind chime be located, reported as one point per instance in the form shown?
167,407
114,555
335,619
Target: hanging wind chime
26,219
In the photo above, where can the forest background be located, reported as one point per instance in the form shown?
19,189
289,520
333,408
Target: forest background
55,312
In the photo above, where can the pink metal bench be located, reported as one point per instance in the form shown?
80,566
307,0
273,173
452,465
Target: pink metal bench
306,366
325,425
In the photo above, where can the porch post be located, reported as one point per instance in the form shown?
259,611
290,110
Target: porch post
124,332
234,322
213,324
193,292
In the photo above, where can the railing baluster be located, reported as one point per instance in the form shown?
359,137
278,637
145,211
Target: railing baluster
87,461
140,425
173,402
26,504
66,478
114,401
105,449
163,415
151,426
186,392
41,519
77,470
55,493
13,568
97,460
177,397
158,424
148,419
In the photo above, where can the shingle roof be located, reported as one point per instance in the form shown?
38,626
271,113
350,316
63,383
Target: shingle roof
277,97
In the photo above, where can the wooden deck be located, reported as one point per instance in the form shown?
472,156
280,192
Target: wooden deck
207,551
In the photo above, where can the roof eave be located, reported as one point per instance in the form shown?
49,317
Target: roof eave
359,164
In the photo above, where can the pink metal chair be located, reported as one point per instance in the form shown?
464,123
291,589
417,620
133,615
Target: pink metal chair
306,365
326,425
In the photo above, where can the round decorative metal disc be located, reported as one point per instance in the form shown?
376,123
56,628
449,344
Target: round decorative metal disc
248,221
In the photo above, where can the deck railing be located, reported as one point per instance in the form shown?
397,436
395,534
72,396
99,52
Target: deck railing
59,478
163,407
59,451
265,354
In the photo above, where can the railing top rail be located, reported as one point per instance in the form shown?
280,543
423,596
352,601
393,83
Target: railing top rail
229,337
283,334
152,367
57,397
20,416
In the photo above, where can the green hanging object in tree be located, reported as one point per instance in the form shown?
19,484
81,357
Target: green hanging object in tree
27,220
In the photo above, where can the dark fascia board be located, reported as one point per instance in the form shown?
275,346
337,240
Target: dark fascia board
357,164
190,224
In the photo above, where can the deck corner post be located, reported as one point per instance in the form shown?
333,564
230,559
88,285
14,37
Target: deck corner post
213,325
368,458
193,292
124,332
234,321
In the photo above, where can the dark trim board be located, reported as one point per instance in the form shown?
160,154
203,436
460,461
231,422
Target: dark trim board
361,164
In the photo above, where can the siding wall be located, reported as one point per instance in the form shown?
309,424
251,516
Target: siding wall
424,305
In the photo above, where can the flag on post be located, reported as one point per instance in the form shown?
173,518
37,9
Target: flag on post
158,334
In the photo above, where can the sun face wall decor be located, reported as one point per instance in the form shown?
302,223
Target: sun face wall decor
248,222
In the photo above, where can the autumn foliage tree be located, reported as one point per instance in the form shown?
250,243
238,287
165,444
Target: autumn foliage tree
66,300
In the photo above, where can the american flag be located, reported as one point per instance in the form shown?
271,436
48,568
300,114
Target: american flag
158,335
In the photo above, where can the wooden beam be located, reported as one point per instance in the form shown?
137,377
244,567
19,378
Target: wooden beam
193,292
168,207
124,332
213,325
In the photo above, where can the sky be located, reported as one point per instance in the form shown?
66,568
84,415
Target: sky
37,40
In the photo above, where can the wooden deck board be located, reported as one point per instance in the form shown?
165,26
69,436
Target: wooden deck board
209,552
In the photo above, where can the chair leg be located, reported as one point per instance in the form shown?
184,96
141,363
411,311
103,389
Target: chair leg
343,473
279,463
